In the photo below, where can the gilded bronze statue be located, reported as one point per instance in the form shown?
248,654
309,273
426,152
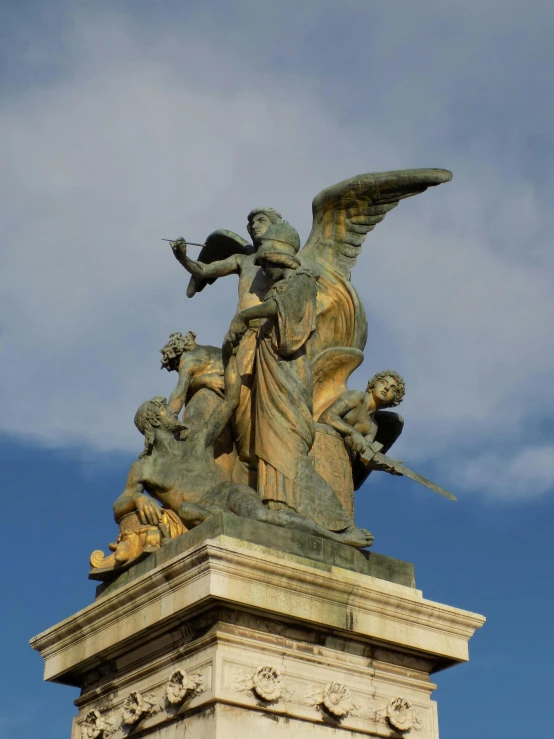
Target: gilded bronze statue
269,429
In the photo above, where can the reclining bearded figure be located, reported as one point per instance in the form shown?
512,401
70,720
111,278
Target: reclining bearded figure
177,468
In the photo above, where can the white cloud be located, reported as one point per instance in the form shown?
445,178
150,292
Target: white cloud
528,475
135,145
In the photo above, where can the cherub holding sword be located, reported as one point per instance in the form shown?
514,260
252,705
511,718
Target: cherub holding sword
358,416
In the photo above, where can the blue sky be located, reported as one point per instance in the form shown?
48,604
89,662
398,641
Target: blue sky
125,122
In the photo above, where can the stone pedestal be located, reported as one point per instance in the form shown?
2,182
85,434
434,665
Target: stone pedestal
218,635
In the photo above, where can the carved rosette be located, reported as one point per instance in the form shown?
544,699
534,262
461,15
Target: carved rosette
181,684
95,727
337,699
400,714
136,707
267,683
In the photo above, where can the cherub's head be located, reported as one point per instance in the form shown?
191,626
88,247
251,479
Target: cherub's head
175,348
152,415
259,220
388,389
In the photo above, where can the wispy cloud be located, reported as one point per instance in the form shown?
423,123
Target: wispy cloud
528,475
153,131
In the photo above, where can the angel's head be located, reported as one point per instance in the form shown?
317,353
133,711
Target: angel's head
259,220
175,348
278,249
388,389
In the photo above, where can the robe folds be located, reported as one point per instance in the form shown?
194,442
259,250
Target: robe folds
243,416
284,429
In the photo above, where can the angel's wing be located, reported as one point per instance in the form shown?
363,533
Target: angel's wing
331,370
343,214
219,245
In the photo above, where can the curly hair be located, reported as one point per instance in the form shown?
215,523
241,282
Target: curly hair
175,348
146,418
399,395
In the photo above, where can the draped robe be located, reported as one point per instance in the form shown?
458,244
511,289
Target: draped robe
284,429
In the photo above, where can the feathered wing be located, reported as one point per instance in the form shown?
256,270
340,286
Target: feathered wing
343,214
219,245
331,369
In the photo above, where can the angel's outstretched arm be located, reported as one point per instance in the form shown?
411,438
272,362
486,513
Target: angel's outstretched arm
334,415
219,268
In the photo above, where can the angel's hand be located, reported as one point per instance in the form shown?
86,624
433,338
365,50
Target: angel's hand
230,345
237,328
179,249
357,442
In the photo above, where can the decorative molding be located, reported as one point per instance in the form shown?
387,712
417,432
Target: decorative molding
96,727
137,706
253,577
182,685
335,697
400,715
267,683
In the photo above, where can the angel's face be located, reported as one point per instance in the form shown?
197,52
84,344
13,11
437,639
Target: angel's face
258,225
385,391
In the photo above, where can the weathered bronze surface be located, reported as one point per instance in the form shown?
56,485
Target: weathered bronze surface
269,430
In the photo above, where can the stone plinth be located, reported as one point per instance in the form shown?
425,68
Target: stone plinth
232,638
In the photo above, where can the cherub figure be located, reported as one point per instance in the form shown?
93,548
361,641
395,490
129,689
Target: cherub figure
199,389
361,417
198,367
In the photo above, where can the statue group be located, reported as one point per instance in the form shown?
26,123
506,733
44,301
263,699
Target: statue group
265,426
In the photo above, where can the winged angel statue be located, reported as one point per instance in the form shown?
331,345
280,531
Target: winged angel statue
343,215
299,441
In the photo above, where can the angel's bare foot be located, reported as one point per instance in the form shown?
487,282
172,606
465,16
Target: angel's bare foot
355,537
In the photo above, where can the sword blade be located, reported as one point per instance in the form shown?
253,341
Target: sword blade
407,472
189,243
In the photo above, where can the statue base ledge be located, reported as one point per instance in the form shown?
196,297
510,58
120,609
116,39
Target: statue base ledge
231,638
283,541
